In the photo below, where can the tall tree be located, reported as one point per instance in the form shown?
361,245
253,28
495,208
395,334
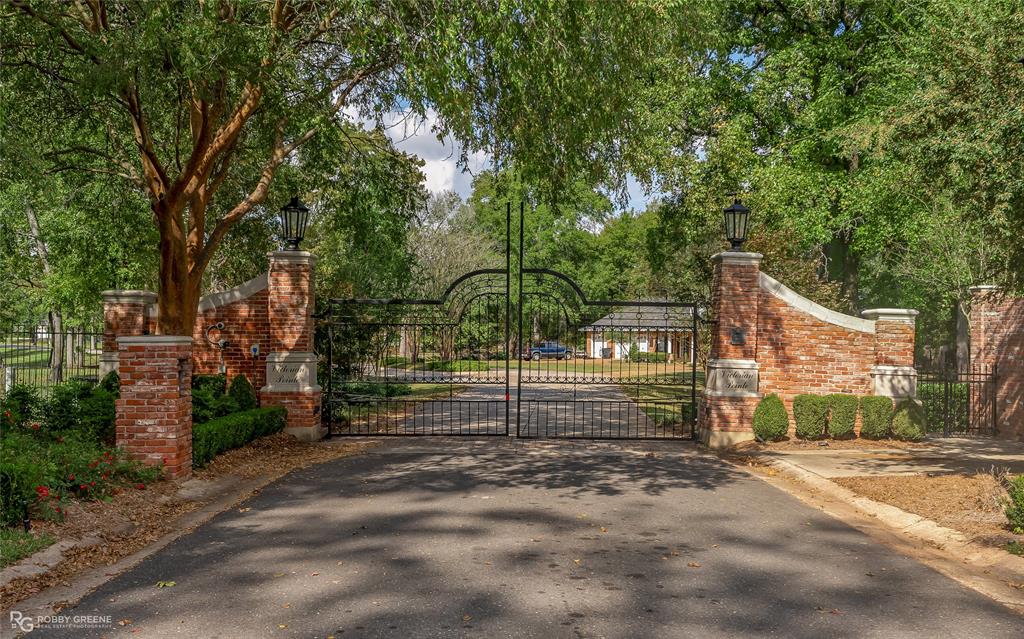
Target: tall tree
201,104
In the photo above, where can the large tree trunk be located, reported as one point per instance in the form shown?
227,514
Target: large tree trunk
180,282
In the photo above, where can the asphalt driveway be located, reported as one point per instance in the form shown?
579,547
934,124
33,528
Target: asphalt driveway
429,538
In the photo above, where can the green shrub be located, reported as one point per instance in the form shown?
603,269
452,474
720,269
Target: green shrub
908,422
810,412
634,352
456,366
1015,504
97,415
771,422
61,410
217,385
395,361
218,435
21,405
45,471
377,390
876,416
653,358
842,417
207,406
243,393
111,383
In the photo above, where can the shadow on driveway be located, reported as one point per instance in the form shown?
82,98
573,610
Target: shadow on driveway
418,540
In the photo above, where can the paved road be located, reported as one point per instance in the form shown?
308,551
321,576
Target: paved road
443,539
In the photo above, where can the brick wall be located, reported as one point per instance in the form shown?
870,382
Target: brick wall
244,311
766,338
800,352
997,339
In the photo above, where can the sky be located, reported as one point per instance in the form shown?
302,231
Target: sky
415,136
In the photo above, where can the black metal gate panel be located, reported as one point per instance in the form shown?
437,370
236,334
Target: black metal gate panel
959,402
513,351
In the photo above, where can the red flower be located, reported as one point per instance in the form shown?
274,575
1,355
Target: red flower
83,487
71,478
43,491
140,486
92,483
94,463
56,509
103,476
35,425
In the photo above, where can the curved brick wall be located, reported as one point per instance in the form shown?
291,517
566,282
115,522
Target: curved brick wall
799,352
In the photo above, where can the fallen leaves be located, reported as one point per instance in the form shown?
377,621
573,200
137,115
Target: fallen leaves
166,584
693,564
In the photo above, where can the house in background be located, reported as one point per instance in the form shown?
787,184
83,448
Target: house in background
651,329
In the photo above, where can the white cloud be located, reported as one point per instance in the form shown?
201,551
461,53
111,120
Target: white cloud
415,135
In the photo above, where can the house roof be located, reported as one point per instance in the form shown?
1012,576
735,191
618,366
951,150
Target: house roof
645,317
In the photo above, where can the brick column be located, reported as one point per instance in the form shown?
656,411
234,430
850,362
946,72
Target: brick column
154,411
124,313
893,374
291,362
731,392
985,316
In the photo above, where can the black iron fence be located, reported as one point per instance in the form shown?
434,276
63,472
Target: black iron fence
39,356
959,402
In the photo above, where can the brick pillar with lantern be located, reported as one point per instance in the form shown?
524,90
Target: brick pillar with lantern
731,387
291,362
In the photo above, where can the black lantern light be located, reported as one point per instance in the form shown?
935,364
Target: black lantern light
736,216
294,217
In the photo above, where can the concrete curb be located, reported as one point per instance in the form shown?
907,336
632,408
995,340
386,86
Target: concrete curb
994,568
892,516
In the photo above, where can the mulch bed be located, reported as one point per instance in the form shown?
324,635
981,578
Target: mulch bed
970,504
136,518
826,444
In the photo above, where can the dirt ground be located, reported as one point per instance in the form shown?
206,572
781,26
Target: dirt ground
970,504
135,518
793,443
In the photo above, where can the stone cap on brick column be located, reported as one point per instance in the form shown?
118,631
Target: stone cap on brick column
155,339
293,257
128,297
738,258
890,314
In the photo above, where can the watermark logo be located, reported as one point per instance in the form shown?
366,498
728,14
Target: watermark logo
21,621
27,623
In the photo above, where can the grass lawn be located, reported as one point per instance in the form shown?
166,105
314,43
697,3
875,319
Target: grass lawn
673,401
16,544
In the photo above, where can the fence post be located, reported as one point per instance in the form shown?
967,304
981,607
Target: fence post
945,401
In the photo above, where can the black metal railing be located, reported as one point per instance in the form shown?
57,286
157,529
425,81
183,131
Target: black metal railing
604,419
405,417
38,356
959,402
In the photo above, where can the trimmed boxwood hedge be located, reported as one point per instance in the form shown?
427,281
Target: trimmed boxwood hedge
771,422
842,418
231,431
876,416
243,393
810,412
908,422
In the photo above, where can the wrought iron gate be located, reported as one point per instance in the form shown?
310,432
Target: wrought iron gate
513,351
959,402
